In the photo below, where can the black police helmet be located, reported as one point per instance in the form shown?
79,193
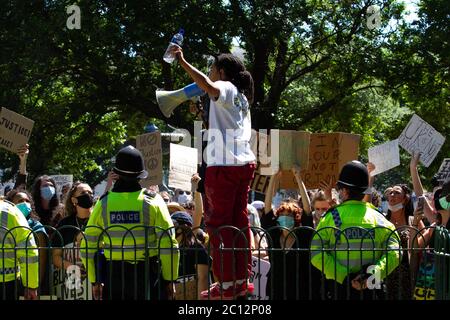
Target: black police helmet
130,163
354,174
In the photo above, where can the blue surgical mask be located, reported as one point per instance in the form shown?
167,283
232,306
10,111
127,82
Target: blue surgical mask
444,203
25,208
286,221
47,192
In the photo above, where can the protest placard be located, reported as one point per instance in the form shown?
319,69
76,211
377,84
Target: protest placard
260,182
183,164
328,152
419,136
150,146
15,130
384,156
260,270
61,180
444,170
294,149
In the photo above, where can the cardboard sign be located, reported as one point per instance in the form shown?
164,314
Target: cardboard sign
260,182
294,149
419,136
186,288
149,145
183,164
15,130
260,269
328,152
384,156
61,180
444,170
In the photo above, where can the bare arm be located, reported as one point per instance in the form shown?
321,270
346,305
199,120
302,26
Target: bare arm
270,191
42,244
112,176
418,189
301,187
417,184
198,212
199,77
370,169
58,260
202,277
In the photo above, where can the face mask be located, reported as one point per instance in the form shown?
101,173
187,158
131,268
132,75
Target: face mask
396,207
47,192
85,201
286,221
25,208
341,197
183,198
444,203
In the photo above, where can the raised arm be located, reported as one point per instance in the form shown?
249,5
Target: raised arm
418,189
301,187
270,191
198,212
370,169
199,77
22,176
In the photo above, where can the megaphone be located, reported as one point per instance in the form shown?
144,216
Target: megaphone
169,100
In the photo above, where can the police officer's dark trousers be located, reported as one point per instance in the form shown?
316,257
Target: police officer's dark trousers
126,281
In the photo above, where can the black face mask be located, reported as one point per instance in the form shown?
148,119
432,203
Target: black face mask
85,201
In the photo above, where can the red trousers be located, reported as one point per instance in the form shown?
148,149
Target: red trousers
226,193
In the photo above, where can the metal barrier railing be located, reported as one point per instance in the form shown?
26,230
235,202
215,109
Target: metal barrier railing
279,264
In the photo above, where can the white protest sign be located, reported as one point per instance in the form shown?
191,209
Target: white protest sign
69,284
15,130
444,170
384,156
419,136
260,269
61,180
183,164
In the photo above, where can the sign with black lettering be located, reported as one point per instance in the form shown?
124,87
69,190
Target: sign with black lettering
72,283
15,130
419,136
260,182
444,170
328,152
150,146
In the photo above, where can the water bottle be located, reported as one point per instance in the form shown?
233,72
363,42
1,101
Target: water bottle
177,40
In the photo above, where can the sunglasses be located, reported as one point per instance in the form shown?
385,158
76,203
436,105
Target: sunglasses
183,192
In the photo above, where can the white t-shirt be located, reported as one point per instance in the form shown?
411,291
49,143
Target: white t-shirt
230,128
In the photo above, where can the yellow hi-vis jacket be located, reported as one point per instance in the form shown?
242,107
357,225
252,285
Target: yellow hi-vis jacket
120,223
18,250
364,237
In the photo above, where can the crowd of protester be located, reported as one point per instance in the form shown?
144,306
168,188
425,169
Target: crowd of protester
279,234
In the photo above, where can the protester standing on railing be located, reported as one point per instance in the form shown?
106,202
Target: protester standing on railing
126,220
18,254
230,167
24,202
340,229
